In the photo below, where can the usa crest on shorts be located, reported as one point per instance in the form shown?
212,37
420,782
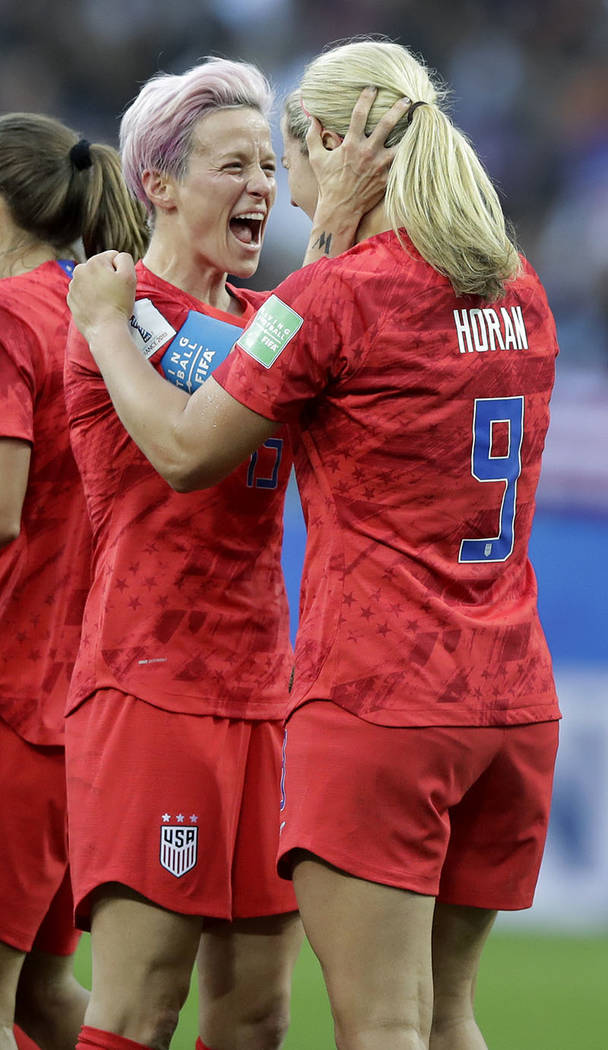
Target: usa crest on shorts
178,844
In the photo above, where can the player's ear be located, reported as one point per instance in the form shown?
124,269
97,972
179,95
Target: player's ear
159,189
330,139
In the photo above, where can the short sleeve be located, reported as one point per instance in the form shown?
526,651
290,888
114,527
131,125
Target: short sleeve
18,381
294,347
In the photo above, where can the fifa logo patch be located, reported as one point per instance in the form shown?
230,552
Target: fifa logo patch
178,844
272,328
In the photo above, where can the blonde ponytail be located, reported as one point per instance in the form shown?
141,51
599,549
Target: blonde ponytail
438,190
440,193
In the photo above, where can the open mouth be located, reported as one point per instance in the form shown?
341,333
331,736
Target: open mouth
247,228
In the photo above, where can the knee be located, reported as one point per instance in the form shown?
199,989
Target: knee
149,1017
455,1026
452,1009
159,1028
268,1029
256,1027
362,1024
380,1034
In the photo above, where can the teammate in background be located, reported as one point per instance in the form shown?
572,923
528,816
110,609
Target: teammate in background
55,190
175,732
416,372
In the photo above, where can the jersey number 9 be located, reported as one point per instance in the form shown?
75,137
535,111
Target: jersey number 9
488,467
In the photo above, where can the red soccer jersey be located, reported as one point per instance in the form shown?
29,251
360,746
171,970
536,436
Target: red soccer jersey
187,609
44,573
421,421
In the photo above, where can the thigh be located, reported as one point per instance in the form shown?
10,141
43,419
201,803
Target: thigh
51,1003
142,959
257,889
245,969
33,831
154,800
11,963
374,945
498,829
459,935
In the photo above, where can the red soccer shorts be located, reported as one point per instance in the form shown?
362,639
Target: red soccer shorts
35,893
181,808
459,813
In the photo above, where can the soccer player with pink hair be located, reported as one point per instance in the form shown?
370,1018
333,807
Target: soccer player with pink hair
181,686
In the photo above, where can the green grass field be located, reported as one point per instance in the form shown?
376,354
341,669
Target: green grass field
538,992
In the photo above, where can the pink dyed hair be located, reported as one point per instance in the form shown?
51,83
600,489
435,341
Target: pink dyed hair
156,130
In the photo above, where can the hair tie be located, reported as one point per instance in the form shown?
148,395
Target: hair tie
410,111
80,155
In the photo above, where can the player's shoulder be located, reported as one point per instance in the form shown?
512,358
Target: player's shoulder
249,296
33,310
528,278
322,279
378,275
528,290
41,289
368,262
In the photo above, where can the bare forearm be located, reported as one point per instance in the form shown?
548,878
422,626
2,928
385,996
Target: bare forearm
193,441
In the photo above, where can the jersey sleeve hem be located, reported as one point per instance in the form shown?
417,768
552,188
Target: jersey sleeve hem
249,400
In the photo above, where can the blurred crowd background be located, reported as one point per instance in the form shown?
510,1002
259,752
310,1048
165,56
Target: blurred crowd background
529,82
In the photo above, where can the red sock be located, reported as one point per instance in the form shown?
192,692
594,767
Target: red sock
200,1045
95,1039
23,1041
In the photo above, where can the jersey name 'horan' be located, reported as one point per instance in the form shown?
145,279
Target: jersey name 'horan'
488,329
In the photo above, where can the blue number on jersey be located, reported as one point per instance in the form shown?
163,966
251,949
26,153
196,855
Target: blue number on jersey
254,479
201,344
486,467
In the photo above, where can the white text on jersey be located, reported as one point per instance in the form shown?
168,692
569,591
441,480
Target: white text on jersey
489,329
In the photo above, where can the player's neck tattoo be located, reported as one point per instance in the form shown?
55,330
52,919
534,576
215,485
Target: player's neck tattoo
323,243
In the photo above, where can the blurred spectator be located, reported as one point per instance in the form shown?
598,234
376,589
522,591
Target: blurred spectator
530,87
